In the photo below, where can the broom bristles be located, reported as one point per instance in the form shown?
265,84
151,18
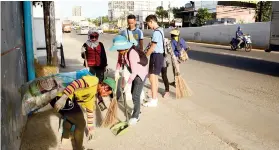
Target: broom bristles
111,116
182,89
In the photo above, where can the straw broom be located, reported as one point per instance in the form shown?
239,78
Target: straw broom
111,115
182,89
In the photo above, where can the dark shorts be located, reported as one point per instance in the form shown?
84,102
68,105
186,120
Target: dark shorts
156,63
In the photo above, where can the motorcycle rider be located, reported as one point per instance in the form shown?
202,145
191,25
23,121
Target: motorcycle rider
239,36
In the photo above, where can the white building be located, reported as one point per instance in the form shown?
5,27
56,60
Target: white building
119,9
76,11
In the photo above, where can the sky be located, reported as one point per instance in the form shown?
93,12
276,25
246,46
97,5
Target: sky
95,8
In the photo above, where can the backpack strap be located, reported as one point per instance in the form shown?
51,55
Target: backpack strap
162,42
128,57
128,35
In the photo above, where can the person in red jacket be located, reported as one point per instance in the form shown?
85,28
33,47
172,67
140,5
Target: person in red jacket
94,52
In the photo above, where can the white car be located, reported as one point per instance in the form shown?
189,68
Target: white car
83,30
100,31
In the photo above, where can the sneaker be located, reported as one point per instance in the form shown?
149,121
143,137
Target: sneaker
133,121
166,95
151,103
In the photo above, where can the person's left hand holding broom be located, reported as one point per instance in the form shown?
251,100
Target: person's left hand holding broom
61,102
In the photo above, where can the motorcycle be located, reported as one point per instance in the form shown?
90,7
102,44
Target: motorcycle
246,44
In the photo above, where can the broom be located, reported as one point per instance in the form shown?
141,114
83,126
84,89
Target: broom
111,115
182,89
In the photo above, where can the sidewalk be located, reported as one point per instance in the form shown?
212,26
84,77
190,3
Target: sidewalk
160,128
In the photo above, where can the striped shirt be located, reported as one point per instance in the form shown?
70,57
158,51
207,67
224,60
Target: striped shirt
90,82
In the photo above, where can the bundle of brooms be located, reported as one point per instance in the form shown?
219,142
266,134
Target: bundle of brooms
44,70
182,89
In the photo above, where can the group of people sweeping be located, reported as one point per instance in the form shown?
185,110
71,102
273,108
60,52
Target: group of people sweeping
132,65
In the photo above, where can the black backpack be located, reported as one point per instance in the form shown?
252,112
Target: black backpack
143,59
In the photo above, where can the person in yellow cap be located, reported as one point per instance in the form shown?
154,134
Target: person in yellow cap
81,92
178,45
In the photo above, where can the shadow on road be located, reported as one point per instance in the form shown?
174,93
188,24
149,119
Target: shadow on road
248,64
216,47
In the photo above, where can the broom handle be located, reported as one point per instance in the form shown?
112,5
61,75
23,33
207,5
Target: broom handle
85,59
122,95
174,61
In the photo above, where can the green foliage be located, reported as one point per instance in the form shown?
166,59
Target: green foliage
266,11
105,19
161,13
176,12
241,21
202,16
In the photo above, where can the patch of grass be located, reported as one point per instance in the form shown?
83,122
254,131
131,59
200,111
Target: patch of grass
111,31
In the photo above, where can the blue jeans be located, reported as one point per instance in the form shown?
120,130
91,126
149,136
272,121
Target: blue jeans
137,87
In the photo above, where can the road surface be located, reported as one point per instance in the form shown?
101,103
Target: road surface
235,104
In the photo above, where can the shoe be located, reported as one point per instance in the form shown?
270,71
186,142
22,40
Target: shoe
172,84
133,121
166,95
151,103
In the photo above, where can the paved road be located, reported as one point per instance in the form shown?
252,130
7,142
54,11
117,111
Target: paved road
236,93
235,104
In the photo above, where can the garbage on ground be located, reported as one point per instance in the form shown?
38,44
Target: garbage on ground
39,92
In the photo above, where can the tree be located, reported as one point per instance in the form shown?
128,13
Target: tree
49,25
176,12
202,16
265,12
161,13
105,19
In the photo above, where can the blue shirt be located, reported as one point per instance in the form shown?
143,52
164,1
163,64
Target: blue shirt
158,38
174,46
238,33
134,35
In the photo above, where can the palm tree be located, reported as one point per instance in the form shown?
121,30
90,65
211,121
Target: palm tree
161,13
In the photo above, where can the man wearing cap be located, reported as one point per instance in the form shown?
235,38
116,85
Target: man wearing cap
178,44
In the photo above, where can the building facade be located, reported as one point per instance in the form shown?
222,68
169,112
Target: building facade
76,11
119,9
224,12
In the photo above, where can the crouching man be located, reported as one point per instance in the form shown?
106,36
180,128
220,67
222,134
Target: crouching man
78,96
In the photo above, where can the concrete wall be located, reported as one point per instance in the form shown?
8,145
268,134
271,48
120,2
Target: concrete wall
13,74
222,34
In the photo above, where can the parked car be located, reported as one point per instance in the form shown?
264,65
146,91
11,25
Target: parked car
83,30
100,31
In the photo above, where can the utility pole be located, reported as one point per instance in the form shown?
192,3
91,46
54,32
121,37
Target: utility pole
169,12
101,20
50,33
